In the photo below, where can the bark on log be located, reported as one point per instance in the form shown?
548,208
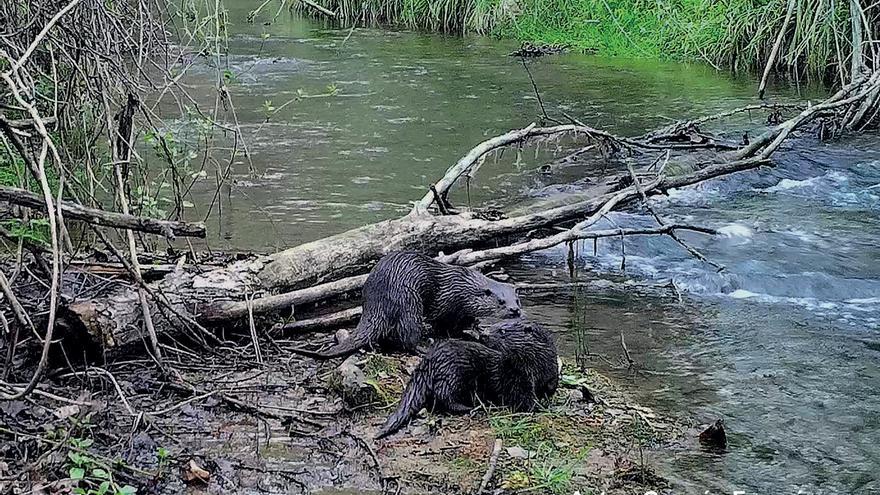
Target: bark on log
94,216
216,296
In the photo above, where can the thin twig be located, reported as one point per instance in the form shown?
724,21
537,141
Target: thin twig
493,462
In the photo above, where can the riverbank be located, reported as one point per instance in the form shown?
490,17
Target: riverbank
737,35
223,425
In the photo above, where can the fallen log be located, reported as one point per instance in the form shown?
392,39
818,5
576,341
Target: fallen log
75,211
216,296
329,267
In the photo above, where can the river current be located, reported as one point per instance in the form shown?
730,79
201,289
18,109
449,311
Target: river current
783,343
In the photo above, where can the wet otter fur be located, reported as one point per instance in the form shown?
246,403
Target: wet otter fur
409,295
513,365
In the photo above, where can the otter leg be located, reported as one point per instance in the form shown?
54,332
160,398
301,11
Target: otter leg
452,392
520,395
411,328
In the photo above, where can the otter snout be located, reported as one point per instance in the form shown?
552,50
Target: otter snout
514,312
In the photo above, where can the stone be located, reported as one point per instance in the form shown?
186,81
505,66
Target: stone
517,452
356,387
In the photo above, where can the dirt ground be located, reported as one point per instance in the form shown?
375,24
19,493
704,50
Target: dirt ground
221,423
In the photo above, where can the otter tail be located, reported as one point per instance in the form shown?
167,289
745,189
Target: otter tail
415,397
359,339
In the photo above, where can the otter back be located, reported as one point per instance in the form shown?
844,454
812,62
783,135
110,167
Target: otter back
408,296
448,379
513,365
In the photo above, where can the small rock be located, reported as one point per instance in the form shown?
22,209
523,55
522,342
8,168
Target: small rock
418,431
356,389
575,395
342,335
65,412
193,473
517,452
714,436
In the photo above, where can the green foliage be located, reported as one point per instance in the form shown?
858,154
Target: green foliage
432,15
92,476
526,430
552,475
35,231
381,372
11,171
736,33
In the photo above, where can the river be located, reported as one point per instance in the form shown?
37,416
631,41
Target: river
783,344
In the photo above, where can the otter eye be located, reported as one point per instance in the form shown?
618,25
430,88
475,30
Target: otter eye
488,292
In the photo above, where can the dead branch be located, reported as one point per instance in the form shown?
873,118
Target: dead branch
167,228
490,471
772,58
229,310
319,8
320,323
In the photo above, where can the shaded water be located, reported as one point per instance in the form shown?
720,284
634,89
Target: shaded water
783,344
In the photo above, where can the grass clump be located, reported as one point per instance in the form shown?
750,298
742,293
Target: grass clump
554,445
382,373
737,34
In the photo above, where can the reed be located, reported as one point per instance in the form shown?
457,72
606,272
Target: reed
735,34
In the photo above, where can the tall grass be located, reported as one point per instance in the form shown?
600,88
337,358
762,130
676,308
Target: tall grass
736,34
450,16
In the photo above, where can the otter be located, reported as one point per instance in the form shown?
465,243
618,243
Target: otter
409,295
514,364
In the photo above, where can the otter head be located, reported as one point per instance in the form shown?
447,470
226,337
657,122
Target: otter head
493,298
514,332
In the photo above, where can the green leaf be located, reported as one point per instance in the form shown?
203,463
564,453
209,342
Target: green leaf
101,474
103,487
75,458
77,473
163,453
126,490
79,491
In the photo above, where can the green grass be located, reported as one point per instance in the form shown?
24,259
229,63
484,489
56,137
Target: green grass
736,34
36,230
557,445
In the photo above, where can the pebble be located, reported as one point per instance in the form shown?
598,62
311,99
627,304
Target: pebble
517,452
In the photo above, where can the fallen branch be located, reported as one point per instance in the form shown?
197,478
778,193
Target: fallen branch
229,310
772,58
319,8
324,322
493,462
167,228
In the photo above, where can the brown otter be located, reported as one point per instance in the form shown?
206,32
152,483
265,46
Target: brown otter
409,295
513,365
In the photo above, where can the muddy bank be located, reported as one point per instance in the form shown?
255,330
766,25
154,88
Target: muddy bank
224,424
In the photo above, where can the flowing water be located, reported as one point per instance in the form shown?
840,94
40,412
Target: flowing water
783,343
